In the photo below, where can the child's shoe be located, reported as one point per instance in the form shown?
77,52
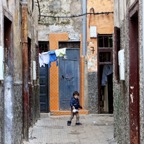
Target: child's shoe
78,123
68,123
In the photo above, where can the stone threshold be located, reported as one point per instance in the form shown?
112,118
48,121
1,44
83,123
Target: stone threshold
59,113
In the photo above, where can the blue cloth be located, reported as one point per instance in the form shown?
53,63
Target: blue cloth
75,102
107,70
52,58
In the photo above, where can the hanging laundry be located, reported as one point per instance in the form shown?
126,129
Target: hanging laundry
52,58
60,52
44,58
41,63
107,70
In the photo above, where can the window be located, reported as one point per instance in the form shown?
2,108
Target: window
105,44
71,44
43,46
104,56
105,41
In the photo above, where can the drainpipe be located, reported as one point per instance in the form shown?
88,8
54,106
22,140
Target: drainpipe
143,60
84,27
84,51
24,31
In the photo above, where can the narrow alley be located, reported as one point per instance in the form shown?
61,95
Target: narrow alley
95,129
66,58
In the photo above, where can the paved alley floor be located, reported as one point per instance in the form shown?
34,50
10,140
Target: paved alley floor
95,129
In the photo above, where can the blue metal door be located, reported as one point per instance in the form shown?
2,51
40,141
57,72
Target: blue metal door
44,95
69,77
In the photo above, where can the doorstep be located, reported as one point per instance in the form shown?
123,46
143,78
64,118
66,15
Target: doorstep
59,113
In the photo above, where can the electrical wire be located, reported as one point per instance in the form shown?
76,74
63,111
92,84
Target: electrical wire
79,15
71,16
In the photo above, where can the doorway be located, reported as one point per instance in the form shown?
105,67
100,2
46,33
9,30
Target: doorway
134,76
44,80
8,55
105,73
106,88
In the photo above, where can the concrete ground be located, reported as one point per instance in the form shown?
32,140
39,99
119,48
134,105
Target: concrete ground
95,129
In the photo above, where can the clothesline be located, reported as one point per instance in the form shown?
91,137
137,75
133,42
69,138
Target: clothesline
51,56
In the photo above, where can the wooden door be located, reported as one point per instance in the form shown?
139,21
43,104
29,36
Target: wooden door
134,81
44,89
69,77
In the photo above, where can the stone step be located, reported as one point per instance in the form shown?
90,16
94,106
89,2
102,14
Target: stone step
57,113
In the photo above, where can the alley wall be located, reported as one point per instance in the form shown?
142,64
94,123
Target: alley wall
121,88
12,10
48,25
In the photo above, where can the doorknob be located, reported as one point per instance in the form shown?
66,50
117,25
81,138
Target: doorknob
63,76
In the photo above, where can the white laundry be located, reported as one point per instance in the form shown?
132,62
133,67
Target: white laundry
41,63
60,52
44,58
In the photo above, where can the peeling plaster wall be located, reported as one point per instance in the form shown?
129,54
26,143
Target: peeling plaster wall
34,84
72,26
13,7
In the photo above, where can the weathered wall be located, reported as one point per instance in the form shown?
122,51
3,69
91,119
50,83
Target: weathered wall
34,84
1,85
72,26
1,113
121,93
13,8
121,90
18,114
104,24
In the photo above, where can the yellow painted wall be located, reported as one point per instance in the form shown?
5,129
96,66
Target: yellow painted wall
104,24
54,40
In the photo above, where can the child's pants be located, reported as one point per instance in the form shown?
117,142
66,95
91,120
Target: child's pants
77,116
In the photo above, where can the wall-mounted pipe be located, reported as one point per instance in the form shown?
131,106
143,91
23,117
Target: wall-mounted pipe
142,54
84,27
24,39
84,51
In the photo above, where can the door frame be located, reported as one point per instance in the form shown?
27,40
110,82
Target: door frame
134,74
102,49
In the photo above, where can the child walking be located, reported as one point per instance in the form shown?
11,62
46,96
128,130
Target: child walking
74,104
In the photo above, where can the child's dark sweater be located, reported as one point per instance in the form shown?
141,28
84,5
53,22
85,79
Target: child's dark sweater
75,102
